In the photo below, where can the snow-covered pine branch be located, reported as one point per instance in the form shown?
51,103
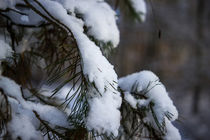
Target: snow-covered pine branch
87,96
143,90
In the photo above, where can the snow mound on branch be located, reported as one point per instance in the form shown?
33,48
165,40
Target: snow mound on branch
103,116
147,83
98,17
21,126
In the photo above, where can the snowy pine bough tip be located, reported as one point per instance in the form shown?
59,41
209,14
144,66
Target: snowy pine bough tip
148,84
154,95
91,24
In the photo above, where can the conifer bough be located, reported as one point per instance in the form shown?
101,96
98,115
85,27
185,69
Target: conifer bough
56,83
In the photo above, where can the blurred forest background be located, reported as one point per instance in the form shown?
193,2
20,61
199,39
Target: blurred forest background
174,43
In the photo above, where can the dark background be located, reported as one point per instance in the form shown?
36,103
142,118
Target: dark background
174,43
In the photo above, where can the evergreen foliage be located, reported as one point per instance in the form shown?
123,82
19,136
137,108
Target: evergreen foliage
47,58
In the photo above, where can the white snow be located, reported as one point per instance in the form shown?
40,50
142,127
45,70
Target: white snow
21,126
50,114
130,99
135,103
103,116
172,132
11,88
